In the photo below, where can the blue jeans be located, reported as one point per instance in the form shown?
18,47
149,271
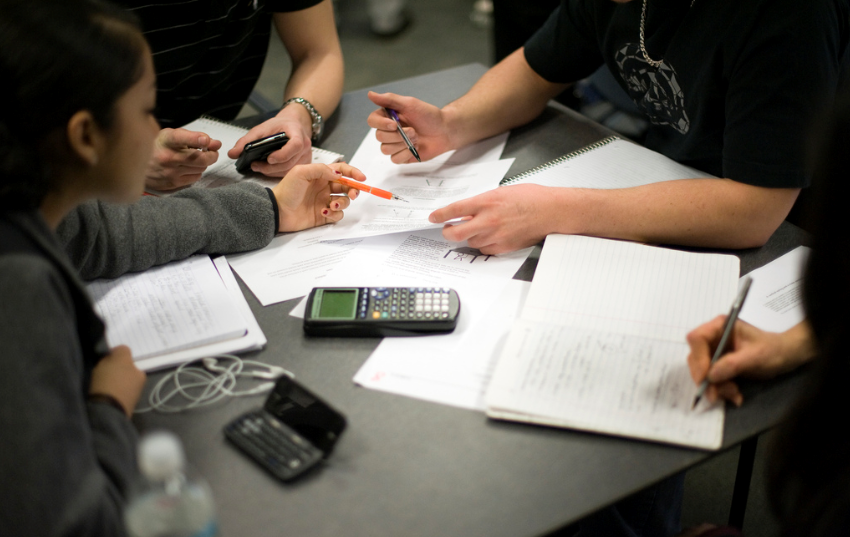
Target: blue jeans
653,512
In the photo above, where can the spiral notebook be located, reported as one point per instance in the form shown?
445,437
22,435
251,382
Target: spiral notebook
223,172
609,163
601,346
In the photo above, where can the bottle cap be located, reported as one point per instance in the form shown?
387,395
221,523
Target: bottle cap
160,456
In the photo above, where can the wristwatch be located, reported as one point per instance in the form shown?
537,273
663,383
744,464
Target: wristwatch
318,122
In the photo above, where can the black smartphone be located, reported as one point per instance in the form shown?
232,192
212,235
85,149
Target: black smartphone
260,150
291,434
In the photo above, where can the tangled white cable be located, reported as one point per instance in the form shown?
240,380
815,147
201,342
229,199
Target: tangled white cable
210,383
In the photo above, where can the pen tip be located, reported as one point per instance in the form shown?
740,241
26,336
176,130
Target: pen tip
696,402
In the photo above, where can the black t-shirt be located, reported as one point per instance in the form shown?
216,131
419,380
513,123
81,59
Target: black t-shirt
208,54
740,82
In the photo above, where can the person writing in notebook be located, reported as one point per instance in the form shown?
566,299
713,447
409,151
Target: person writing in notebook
208,56
808,464
729,89
76,131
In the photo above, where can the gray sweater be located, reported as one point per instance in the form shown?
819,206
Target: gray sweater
66,463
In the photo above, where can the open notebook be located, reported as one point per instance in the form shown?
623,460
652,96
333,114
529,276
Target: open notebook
600,344
177,312
223,172
609,163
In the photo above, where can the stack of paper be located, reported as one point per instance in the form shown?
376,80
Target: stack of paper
601,347
177,312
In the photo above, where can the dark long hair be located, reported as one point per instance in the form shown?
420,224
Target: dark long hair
57,57
809,476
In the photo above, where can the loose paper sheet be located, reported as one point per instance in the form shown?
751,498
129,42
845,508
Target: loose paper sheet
775,300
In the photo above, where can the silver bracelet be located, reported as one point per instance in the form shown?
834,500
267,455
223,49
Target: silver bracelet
318,122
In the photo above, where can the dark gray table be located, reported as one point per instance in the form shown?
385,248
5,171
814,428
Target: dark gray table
408,467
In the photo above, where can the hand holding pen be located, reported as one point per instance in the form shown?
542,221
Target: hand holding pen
726,342
423,124
350,183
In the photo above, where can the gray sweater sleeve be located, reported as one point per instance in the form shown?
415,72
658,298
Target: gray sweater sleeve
65,464
106,240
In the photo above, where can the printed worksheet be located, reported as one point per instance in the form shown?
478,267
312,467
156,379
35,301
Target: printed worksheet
422,259
775,300
423,192
452,369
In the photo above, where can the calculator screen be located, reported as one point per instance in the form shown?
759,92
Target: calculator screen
338,304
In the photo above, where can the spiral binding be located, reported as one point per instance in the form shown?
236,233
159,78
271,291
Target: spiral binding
552,163
223,123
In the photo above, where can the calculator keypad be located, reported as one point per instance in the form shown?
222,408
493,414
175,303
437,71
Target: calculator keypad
272,444
404,303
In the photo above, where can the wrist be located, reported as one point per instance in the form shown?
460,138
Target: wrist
307,115
105,399
798,344
275,209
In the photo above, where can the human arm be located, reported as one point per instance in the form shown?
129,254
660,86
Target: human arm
717,213
107,240
310,37
510,94
179,158
755,353
66,464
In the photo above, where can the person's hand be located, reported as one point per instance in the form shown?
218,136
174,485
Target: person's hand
307,196
498,221
298,150
755,354
117,376
179,158
423,123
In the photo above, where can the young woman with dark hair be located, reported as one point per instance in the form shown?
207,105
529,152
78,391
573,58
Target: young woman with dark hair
76,133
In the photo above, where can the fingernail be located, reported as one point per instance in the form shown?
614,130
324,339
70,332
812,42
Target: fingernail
325,212
255,167
336,205
432,219
271,160
337,172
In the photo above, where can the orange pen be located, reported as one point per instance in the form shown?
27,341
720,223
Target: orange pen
370,189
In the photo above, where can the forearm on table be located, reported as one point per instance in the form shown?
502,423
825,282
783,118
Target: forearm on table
107,240
509,95
712,213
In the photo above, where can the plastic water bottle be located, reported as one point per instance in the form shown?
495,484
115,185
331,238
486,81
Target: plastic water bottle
168,502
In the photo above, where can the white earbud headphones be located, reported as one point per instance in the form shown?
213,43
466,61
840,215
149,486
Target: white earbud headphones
209,384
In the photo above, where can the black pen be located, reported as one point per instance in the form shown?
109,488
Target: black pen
726,338
390,112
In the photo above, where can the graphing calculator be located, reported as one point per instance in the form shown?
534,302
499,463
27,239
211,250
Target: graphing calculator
293,432
380,311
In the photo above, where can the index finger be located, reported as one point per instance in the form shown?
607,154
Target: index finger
702,341
458,209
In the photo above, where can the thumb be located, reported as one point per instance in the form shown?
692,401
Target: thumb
181,138
388,100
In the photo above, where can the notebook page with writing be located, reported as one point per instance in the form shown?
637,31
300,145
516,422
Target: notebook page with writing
610,163
167,308
601,382
628,288
223,172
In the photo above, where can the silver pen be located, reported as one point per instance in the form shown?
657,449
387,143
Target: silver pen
394,116
726,338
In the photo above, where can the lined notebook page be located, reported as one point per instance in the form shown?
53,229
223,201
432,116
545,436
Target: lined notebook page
629,288
602,382
167,308
616,164
223,172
